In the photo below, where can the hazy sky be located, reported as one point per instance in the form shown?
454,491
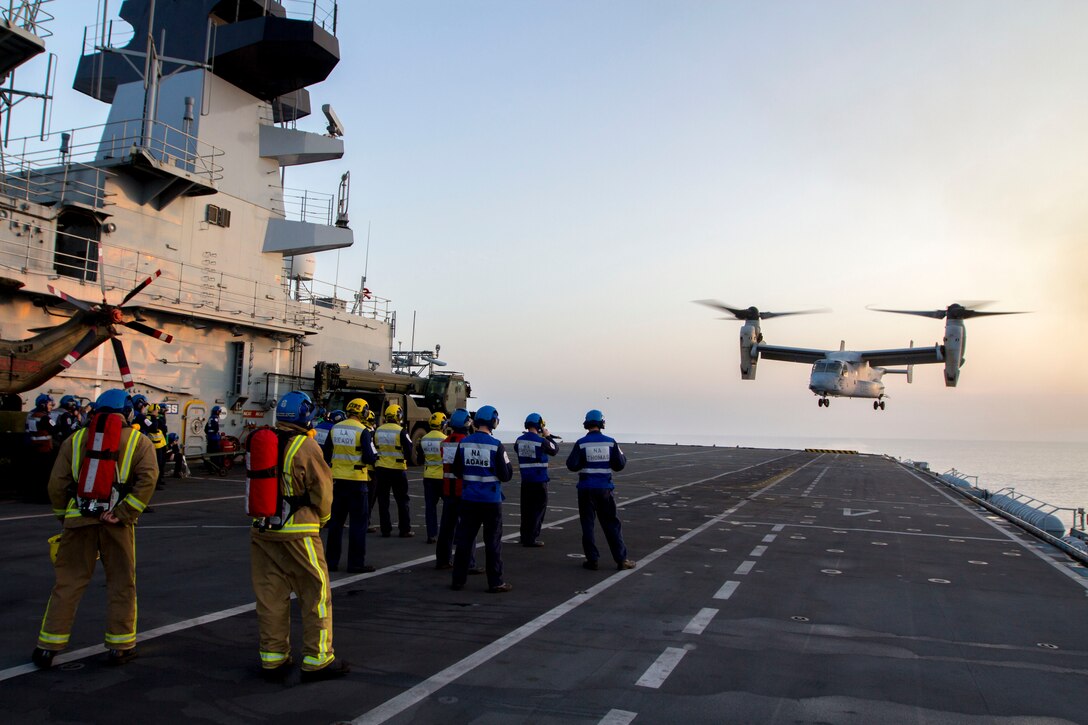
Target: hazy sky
551,183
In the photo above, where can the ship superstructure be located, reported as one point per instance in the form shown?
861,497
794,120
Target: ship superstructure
187,176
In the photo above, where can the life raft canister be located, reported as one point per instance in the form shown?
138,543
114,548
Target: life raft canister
95,491
262,473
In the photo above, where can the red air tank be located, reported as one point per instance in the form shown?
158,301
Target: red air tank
262,484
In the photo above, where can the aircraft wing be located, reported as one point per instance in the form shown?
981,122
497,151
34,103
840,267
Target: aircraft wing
903,356
791,354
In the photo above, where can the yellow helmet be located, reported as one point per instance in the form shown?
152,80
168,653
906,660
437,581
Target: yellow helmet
368,417
437,421
392,414
358,407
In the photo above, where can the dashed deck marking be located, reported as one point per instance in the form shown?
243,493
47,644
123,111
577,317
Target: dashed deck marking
700,621
759,551
618,717
727,590
662,667
744,568
769,538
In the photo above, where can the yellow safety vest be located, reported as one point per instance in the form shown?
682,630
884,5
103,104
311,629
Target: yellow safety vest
387,440
347,444
432,453
124,468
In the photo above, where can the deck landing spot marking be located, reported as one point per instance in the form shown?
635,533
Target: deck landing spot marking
778,527
940,581
830,571
662,667
700,621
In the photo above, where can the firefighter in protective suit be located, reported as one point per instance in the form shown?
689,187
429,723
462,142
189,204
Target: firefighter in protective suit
91,531
288,556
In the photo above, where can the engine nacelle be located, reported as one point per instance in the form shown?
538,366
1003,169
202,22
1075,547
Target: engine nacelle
955,345
750,337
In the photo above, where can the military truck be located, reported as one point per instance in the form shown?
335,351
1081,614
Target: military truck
418,396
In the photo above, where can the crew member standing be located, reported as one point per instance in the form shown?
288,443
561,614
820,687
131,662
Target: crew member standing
287,556
69,420
147,418
451,494
108,446
595,456
533,448
372,488
481,462
213,436
349,447
41,434
391,472
321,430
430,450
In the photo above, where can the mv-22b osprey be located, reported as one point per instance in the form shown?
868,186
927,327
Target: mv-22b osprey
846,373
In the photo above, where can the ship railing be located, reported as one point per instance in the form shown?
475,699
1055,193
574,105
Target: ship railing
111,143
319,12
197,289
31,171
304,205
107,34
28,15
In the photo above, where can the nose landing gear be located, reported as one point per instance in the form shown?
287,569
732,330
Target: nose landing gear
878,405
823,402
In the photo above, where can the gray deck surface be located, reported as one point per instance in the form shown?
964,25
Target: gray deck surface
772,587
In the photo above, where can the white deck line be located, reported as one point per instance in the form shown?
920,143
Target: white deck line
700,621
662,667
618,717
744,568
727,590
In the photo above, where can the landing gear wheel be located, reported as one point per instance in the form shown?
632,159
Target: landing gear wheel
882,405
876,405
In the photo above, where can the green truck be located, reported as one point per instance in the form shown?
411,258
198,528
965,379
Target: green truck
418,396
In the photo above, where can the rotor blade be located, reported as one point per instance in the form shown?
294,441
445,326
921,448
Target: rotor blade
140,327
140,287
737,312
935,314
975,313
122,362
101,274
769,315
85,345
79,304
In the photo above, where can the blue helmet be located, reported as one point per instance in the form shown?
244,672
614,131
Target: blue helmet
69,400
337,416
42,399
594,418
488,416
171,438
534,420
114,400
216,410
295,407
138,401
459,420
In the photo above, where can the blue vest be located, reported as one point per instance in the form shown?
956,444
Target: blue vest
532,460
321,431
595,452
478,452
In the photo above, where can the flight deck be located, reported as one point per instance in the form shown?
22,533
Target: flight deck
772,586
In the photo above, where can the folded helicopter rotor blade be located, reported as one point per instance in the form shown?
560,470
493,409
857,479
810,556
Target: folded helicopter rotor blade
147,330
140,287
101,274
85,345
122,362
77,303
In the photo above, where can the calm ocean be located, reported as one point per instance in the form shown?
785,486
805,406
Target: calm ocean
1053,472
